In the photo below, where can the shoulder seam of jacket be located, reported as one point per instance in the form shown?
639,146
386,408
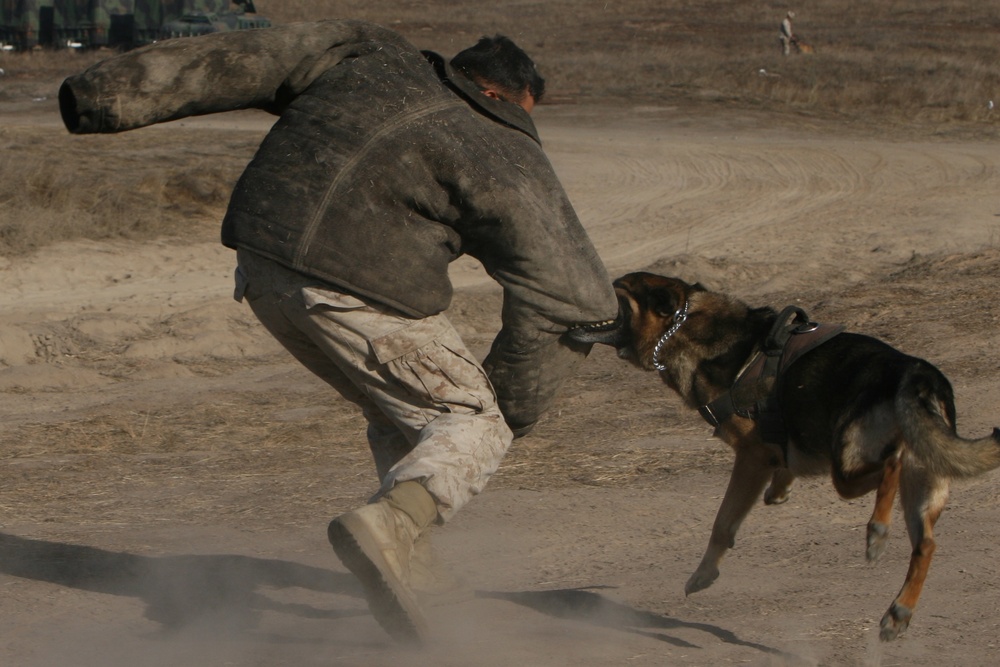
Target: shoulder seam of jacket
395,123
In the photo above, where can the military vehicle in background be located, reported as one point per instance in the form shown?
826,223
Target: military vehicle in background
119,24
202,23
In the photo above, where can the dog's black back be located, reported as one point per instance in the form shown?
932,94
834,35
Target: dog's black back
834,385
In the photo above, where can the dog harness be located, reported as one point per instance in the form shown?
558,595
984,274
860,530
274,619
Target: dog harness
754,394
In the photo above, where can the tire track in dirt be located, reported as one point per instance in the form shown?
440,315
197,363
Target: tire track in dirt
689,199
706,195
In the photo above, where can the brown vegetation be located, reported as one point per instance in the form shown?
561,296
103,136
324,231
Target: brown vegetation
53,189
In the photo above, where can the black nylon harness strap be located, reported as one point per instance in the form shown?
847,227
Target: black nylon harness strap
754,394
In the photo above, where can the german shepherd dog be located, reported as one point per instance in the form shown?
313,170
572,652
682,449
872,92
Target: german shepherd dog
853,406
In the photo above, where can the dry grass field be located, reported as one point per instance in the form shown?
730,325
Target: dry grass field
166,473
903,60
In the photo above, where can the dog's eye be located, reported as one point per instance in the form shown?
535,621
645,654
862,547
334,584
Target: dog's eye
665,311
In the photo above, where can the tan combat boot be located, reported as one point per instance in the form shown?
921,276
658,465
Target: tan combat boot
375,543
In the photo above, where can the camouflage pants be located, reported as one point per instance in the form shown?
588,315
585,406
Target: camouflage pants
432,413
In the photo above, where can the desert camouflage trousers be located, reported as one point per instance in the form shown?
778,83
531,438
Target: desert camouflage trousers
432,412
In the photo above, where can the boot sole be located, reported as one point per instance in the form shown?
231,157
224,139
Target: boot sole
389,600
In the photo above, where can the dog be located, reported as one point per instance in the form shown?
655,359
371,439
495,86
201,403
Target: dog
801,46
793,398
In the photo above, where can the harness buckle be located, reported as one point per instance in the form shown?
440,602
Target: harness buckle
709,416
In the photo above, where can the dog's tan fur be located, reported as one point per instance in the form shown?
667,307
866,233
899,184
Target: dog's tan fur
885,424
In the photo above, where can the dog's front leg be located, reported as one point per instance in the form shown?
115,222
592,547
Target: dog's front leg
751,472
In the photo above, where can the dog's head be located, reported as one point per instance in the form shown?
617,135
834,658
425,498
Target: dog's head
649,306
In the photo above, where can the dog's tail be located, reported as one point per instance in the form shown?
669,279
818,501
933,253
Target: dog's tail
925,406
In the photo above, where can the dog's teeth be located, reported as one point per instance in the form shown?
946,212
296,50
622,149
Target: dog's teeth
596,326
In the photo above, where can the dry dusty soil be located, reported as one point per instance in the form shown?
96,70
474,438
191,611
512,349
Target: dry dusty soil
167,473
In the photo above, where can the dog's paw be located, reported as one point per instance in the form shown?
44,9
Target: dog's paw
701,580
780,487
774,496
878,538
895,621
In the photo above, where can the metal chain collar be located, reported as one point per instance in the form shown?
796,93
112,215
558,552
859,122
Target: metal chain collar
679,317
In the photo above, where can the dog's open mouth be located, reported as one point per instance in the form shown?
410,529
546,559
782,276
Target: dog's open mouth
606,332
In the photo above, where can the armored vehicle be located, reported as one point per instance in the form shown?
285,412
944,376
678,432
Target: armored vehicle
201,23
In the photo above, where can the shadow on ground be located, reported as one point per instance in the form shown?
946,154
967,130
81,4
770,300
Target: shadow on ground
181,590
588,606
177,590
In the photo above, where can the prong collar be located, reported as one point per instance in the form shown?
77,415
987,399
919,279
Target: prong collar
679,317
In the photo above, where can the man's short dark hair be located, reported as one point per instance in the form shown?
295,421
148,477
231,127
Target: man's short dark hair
502,63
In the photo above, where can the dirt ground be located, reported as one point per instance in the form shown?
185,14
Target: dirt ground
167,473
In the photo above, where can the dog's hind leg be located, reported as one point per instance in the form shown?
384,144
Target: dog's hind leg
781,485
923,497
752,469
885,495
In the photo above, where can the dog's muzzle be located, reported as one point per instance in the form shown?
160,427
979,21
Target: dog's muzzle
608,332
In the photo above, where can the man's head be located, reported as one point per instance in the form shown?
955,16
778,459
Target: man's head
502,70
